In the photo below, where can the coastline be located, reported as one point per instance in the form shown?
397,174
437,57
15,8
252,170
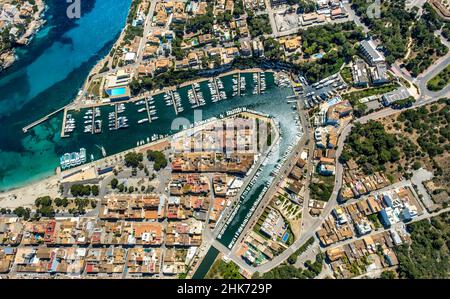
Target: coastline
8,58
26,195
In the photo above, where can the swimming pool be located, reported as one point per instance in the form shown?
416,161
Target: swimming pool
285,237
120,91
318,56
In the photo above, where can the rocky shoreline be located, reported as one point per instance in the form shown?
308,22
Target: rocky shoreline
8,58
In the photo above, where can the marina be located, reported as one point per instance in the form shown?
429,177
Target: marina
119,118
196,94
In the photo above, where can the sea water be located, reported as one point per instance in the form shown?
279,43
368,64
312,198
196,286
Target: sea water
48,75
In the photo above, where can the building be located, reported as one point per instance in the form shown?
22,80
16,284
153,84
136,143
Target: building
370,52
378,74
359,74
397,95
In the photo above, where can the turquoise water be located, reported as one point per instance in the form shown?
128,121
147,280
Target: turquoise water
206,263
117,91
47,76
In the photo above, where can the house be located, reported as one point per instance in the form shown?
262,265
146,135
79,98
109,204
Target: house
397,95
246,49
162,65
378,74
292,44
370,52
258,48
359,74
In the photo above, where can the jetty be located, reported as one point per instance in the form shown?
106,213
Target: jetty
147,107
239,84
43,119
197,103
216,87
174,102
63,128
116,116
93,121
259,82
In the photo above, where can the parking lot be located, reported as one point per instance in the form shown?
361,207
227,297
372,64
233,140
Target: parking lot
321,91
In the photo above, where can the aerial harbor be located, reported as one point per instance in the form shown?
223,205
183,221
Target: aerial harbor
227,139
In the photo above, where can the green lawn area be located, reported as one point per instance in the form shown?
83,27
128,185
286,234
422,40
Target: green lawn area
440,81
356,95
346,74
94,88
323,189
222,270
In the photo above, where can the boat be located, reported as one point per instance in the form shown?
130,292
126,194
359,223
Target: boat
141,121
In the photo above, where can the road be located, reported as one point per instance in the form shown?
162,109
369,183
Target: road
332,203
147,29
379,231
284,171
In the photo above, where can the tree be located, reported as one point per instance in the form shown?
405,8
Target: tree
158,158
80,190
416,165
22,213
45,201
114,183
133,159
95,190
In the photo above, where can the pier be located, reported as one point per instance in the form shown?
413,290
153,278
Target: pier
116,115
63,128
217,88
259,82
43,119
148,110
174,102
239,84
93,121
195,96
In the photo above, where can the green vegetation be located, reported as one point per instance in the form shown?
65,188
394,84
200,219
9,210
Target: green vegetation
428,255
259,25
321,191
346,74
431,126
80,190
238,8
426,46
133,159
370,146
203,23
272,49
440,81
336,41
44,206
222,270
64,202
403,26
446,31
159,159
388,275
293,258
304,6
354,97
22,212
290,272
114,183
400,104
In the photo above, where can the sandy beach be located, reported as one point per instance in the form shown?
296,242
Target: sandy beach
25,196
